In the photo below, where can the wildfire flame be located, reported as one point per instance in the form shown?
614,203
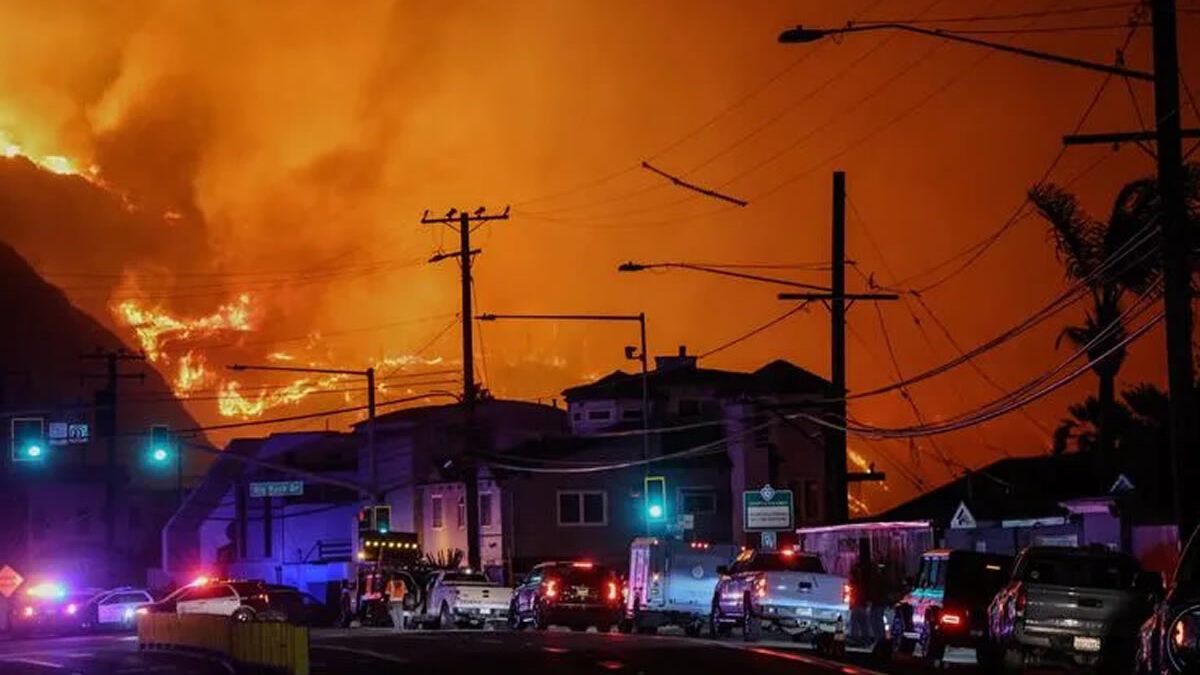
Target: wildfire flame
192,373
53,163
232,403
155,328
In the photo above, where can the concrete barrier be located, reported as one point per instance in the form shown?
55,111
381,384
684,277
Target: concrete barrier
273,647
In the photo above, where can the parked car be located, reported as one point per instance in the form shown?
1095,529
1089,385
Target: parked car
242,600
1074,606
784,590
294,606
573,594
671,583
114,609
1169,640
164,605
948,605
463,598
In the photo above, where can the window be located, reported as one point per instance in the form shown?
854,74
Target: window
435,511
462,512
631,414
697,500
135,517
689,407
599,414
485,509
83,521
583,508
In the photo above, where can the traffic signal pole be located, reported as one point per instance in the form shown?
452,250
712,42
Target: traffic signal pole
108,413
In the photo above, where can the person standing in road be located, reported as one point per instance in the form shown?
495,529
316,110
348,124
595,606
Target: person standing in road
396,590
345,606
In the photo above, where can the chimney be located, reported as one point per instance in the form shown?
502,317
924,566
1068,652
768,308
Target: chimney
682,360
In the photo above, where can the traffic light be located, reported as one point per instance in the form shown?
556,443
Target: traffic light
159,450
656,499
383,519
28,439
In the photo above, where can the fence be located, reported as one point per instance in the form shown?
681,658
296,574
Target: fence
275,647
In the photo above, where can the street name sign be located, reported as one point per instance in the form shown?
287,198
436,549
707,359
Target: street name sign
277,488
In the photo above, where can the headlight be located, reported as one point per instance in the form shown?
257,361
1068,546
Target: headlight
1183,638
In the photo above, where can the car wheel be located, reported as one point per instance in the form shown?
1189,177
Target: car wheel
514,617
243,615
900,644
445,619
693,629
625,626
540,620
751,624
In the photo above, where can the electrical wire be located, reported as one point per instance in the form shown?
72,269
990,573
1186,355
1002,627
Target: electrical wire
1038,14
746,336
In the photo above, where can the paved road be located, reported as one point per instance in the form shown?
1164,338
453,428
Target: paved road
95,655
561,653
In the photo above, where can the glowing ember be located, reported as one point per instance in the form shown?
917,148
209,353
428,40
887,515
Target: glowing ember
53,163
155,328
280,356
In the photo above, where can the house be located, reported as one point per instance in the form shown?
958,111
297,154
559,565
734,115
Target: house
1056,500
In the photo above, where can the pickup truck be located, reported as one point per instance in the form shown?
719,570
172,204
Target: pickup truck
462,598
671,582
1079,606
785,590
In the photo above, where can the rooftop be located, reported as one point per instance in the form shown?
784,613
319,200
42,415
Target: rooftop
776,378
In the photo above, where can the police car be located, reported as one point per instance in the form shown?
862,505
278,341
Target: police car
115,608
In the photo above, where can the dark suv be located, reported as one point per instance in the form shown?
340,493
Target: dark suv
572,594
1169,641
947,607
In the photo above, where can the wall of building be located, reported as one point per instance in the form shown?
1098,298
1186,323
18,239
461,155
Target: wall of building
451,534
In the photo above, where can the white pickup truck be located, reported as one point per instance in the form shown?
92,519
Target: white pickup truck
461,598
786,590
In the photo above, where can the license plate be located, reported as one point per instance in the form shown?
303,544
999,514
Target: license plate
1086,644
804,611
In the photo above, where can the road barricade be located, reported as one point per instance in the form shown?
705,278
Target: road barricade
259,646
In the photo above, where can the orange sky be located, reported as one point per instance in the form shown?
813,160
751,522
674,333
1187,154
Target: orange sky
311,135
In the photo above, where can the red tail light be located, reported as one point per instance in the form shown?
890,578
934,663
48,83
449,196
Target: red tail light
847,594
1019,603
551,588
612,591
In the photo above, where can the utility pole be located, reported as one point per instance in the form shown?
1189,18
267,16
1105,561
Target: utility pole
836,477
1176,247
465,220
106,422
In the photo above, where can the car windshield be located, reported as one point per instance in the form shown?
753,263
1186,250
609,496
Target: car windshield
974,578
465,578
1073,569
248,588
780,562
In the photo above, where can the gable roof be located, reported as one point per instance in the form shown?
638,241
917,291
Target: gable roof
778,377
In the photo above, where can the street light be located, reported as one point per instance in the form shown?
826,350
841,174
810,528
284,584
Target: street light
640,318
638,267
369,373
801,35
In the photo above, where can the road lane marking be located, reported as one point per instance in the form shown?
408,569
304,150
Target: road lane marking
361,652
37,662
555,650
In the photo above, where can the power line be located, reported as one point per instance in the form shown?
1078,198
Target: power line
746,336
1005,17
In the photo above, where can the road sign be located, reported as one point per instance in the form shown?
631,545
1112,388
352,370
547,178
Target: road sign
687,521
768,509
10,581
277,488
767,541
56,433
77,433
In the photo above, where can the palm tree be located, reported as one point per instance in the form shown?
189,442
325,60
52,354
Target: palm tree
1087,247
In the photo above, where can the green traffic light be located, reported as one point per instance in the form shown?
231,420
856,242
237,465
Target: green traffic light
656,511
159,455
34,450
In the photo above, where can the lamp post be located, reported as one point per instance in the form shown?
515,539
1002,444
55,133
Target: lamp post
638,267
639,318
369,373
1175,241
